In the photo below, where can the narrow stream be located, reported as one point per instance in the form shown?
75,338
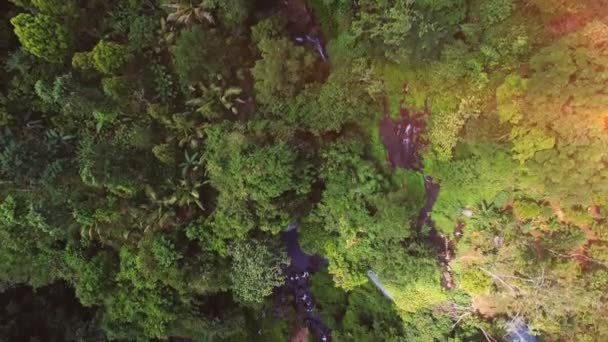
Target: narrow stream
402,139
297,278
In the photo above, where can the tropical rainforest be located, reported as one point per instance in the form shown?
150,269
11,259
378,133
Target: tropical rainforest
444,162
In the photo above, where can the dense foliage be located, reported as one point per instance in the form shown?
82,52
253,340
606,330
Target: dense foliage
151,152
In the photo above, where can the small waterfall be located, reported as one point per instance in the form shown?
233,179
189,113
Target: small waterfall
374,278
316,42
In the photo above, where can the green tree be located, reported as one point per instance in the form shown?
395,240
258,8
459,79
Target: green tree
444,128
57,8
256,271
254,176
110,57
143,32
42,36
83,61
332,105
118,88
281,72
100,166
361,212
481,175
401,25
92,278
194,55
556,131
28,246
495,11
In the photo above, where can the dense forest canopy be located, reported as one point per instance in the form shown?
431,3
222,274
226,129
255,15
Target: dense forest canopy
447,160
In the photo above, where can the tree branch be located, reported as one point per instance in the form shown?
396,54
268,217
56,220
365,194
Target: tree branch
513,289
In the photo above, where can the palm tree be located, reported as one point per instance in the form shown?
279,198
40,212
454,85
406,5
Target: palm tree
186,13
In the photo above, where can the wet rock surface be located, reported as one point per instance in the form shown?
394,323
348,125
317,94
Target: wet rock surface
402,139
304,27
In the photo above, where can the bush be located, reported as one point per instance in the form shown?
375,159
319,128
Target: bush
110,57
42,36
